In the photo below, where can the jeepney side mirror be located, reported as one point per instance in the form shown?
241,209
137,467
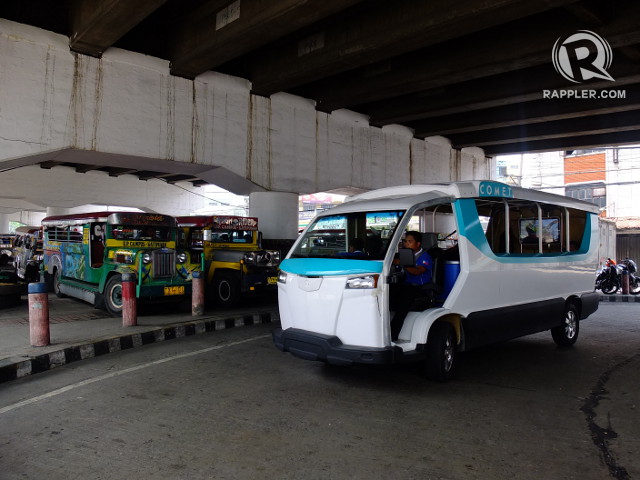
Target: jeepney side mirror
207,235
405,255
259,239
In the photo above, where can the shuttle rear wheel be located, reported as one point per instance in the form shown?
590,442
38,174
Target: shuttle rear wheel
566,334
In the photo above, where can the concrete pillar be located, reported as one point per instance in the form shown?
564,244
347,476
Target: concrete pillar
52,211
4,223
277,214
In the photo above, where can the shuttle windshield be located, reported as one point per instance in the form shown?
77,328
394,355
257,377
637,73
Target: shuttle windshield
357,235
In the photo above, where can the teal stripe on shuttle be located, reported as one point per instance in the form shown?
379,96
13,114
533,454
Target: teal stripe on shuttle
330,266
469,226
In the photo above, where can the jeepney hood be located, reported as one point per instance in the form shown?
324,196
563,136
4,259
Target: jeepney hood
315,298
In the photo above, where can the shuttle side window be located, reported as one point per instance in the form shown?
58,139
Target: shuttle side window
525,227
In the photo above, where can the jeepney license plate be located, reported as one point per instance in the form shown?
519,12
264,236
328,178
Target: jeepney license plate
272,280
175,290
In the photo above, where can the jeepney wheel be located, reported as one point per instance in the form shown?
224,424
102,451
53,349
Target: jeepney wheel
226,289
113,295
32,274
566,334
56,284
441,351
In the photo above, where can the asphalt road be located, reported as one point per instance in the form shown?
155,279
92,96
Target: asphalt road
228,405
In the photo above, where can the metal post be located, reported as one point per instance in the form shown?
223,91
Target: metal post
129,306
39,315
197,293
625,282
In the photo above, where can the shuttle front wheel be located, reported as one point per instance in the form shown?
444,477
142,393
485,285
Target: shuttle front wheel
441,351
566,334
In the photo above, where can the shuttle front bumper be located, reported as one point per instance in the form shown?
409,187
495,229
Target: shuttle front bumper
328,348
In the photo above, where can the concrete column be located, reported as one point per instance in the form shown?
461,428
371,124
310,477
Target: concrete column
4,223
277,214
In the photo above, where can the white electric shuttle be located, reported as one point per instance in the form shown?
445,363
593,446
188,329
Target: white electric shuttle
507,262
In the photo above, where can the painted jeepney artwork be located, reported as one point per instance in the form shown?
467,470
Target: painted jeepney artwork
228,249
85,256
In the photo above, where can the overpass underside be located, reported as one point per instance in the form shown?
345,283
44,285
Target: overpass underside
124,114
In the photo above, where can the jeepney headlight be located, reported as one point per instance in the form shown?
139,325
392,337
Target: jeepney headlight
181,257
146,258
282,277
249,258
123,256
368,281
275,256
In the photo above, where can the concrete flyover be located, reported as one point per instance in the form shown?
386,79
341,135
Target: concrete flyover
125,113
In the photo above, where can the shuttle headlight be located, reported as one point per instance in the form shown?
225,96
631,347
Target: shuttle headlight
282,277
146,258
366,282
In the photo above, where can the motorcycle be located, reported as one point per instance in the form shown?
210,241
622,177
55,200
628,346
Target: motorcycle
634,280
608,279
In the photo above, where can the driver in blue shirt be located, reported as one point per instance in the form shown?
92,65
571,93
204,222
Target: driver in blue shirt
415,277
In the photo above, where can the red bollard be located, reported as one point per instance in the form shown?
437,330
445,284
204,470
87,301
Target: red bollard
625,282
39,315
129,305
197,293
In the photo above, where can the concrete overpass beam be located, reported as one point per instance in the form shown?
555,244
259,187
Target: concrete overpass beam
219,31
97,24
51,211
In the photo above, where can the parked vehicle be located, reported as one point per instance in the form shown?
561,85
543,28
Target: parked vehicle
608,278
229,250
492,285
6,250
28,253
86,254
634,280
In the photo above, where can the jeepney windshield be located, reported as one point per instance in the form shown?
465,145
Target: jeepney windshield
141,232
232,236
357,235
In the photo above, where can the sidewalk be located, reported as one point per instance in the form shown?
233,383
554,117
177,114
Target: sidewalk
618,297
79,331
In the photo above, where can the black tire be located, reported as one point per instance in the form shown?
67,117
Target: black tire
441,350
226,289
32,274
56,284
567,333
610,287
113,296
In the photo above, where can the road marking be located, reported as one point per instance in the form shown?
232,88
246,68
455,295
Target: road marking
106,376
